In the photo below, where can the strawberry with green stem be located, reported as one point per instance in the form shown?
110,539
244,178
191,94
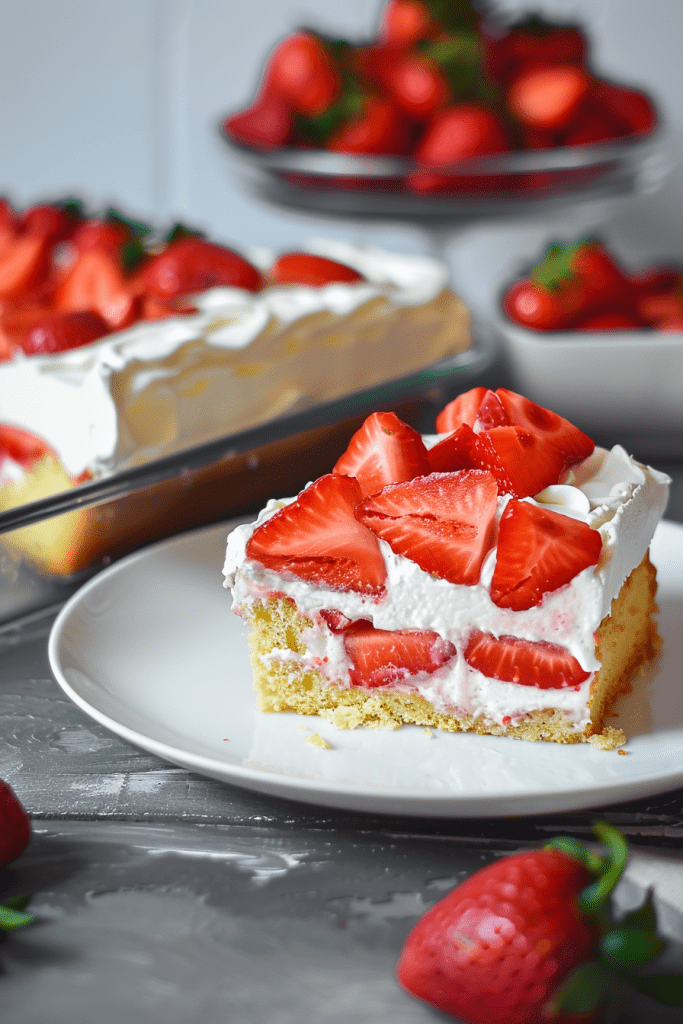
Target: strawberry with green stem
531,939
15,833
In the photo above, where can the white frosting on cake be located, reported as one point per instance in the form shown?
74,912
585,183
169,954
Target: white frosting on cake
243,358
614,494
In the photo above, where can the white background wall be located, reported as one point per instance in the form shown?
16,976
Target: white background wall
119,102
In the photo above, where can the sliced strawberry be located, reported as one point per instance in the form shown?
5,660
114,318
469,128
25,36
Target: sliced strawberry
24,264
384,451
460,450
96,282
522,462
445,522
307,269
539,551
463,409
192,264
491,413
21,446
380,657
57,332
317,538
571,442
529,663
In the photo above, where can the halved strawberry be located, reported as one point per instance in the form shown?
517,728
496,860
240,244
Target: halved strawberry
317,538
460,450
382,656
529,663
57,332
309,269
384,451
445,522
571,442
522,463
539,551
463,409
95,281
335,620
21,446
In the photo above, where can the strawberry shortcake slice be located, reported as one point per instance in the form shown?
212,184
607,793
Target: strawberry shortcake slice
492,578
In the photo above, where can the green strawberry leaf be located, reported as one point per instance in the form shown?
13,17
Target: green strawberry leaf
644,917
12,915
585,988
454,15
624,949
666,988
596,894
179,231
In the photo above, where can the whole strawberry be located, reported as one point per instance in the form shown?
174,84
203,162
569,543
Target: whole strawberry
529,940
15,826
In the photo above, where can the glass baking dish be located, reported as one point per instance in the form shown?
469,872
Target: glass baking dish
96,522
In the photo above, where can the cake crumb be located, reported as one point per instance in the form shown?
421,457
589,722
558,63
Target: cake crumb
343,717
428,732
316,740
609,739
622,752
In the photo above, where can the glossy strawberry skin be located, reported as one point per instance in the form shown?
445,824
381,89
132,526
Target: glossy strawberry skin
384,451
302,72
548,97
192,265
305,268
317,538
496,949
58,332
15,825
539,551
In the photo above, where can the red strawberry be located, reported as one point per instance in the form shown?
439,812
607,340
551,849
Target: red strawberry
308,269
192,264
631,108
21,446
47,221
418,85
317,538
266,123
379,127
530,939
405,22
610,320
384,451
444,522
548,97
96,282
57,332
538,552
572,443
460,133
382,656
302,72
541,664
463,409
499,946
24,264
460,450
15,825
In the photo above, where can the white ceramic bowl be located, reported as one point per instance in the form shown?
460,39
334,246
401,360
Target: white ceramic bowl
623,382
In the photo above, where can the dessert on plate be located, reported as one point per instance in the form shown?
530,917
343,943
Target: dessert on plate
200,342
492,578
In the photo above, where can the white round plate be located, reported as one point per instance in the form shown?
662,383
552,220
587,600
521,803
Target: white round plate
150,649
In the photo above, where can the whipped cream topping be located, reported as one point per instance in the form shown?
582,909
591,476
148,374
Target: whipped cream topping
609,491
164,385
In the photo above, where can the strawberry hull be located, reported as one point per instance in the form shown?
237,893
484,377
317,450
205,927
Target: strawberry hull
550,691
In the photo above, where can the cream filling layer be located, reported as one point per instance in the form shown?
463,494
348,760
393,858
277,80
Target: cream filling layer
244,358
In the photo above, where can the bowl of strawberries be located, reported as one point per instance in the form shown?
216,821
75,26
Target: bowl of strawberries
444,109
600,340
